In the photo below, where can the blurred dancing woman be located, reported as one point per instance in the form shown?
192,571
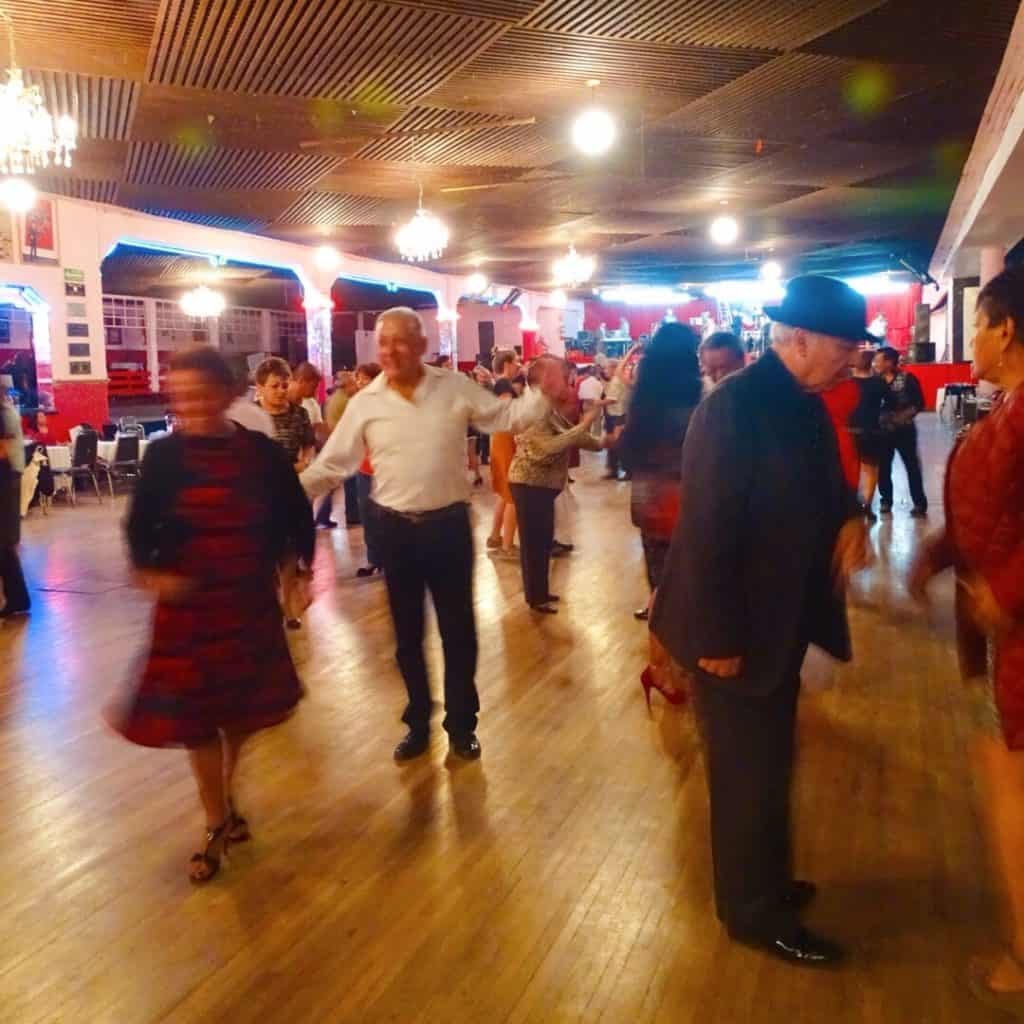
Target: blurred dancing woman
984,541
503,448
667,391
216,508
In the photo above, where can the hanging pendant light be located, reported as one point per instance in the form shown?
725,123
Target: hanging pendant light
572,269
29,137
422,238
202,303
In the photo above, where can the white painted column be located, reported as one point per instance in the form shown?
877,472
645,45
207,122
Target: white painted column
993,262
266,331
213,331
152,345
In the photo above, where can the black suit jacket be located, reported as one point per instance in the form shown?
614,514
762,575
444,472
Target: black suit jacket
763,499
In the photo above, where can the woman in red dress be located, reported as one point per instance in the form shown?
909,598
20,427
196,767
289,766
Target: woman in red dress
984,542
215,510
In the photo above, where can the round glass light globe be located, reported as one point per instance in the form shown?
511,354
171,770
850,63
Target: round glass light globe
17,195
724,230
594,132
327,257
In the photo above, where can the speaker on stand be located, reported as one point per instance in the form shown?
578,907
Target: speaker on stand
922,348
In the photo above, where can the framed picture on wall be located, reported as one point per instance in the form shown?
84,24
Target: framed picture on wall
39,231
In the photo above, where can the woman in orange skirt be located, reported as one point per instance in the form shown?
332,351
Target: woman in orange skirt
503,448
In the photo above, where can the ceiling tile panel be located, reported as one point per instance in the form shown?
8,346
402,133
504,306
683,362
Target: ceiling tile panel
494,10
356,49
153,163
102,107
330,208
110,23
78,188
925,31
210,220
758,24
799,97
528,54
437,136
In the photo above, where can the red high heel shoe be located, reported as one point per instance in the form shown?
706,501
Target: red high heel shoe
647,681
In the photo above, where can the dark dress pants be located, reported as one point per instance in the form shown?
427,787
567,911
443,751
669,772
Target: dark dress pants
611,424
364,485
435,554
749,748
903,441
323,513
535,516
15,591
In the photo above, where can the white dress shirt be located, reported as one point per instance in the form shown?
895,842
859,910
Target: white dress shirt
417,447
312,407
249,415
591,389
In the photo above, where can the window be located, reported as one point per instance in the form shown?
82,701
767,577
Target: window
240,330
15,327
174,330
288,334
124,322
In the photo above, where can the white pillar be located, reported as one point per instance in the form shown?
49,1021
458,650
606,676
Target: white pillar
993,262
266,331
213,331
152,344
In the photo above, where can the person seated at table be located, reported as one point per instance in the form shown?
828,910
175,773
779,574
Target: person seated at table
292,428
39,429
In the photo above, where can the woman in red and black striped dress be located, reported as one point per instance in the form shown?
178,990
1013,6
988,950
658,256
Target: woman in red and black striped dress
216,508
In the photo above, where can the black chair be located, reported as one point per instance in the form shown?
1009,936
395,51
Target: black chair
125,463
84,459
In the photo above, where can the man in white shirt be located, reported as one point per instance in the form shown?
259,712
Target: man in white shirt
412,422
246,413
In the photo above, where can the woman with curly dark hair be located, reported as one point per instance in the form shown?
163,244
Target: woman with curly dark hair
667,390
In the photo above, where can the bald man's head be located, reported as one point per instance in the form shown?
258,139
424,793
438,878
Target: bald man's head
401,344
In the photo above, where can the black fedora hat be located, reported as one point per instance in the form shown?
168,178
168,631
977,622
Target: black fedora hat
824,305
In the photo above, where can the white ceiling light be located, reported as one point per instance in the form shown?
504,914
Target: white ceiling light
746,293
724,230
327,258
422,238
771,270
476,283
877,284
559,299
29,137
202,302
594,132
17,195
646,295
572,269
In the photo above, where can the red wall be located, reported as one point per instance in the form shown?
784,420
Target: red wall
640,318
899,311
77,402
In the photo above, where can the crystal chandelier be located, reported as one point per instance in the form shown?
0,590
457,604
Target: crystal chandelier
202,303
29,136
572,269
422,238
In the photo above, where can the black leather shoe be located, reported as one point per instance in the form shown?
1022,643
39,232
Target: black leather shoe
800,947
919,513
885,508
543,609
414,745
467,747
13,613
800,894
641,614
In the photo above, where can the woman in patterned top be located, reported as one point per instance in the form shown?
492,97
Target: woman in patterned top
983,541
293,430
214,511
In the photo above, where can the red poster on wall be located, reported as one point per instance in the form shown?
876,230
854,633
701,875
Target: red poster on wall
40,231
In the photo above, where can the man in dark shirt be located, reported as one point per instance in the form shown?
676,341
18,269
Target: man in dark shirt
902,403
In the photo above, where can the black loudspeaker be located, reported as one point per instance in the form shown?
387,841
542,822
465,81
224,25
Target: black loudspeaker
922,350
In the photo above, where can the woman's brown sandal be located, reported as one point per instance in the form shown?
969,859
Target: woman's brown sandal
238,827
206,859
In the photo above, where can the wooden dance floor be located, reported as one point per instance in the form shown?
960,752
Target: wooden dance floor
565,877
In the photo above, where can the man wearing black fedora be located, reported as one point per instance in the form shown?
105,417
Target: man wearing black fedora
768,535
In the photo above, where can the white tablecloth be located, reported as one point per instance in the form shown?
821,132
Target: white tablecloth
60,454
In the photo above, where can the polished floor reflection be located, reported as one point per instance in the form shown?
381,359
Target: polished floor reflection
563,878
